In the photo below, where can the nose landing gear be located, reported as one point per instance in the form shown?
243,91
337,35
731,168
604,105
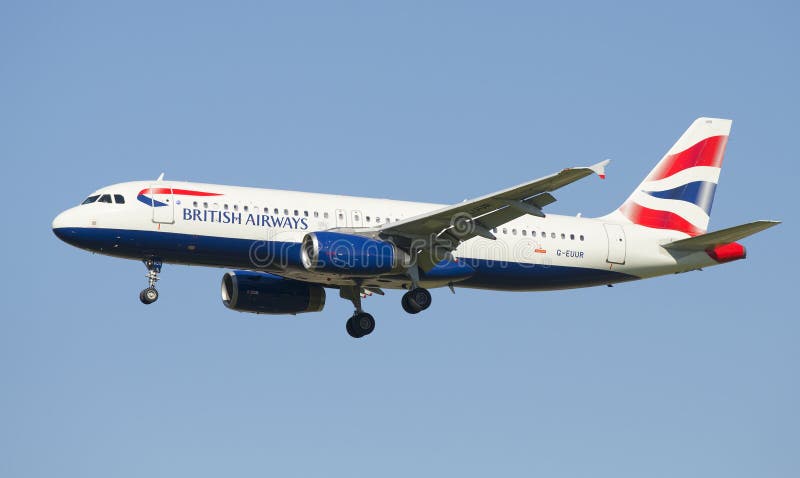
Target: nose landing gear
150,294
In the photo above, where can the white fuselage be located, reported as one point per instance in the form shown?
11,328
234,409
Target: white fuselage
227,228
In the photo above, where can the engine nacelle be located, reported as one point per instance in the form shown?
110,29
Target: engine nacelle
350,255
262,293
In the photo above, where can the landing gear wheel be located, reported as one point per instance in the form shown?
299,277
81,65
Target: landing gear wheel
407,306
416,300
360,324
149,295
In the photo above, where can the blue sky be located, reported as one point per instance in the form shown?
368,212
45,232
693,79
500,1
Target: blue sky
691,375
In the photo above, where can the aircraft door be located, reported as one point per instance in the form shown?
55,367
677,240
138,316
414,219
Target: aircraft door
163,204
616,243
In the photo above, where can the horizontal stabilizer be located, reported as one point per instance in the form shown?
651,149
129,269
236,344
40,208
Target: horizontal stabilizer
718,238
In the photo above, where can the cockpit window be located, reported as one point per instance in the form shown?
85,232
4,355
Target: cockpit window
105,198
90,199
119,199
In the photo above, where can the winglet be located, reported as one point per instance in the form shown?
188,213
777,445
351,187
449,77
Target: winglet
160,177
600,168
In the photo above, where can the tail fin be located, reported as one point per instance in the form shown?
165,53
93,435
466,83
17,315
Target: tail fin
678,193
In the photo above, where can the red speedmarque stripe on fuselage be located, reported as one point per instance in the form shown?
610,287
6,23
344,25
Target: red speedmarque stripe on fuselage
180,192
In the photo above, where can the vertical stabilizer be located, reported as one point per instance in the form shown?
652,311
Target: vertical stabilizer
678,193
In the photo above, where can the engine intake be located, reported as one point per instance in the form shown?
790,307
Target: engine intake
262,293
350,255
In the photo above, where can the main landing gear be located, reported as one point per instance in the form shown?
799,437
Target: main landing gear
361,323
150,294
416,300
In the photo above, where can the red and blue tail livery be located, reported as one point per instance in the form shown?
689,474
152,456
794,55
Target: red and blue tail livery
679,192
289,249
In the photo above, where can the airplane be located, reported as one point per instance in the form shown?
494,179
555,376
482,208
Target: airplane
286,248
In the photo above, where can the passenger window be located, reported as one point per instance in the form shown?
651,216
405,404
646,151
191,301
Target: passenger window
552,235
581,237
247,208
524,232
225,207
316,214
514,232
341,216
90,199
275,211
285,212
235,207
533,233
296,212
105,198
367,218
119,199
305,213
572,237
205,205
194,204
563,236
377,219
325,215
505,231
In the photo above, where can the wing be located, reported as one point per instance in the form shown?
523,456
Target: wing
437,233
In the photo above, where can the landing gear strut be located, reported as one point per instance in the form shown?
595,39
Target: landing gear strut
361,323
150,294
416,300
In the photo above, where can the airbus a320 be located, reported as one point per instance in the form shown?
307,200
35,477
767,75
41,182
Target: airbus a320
287,248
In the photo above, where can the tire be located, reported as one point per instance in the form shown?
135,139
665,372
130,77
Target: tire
408,306
351,330
149,295
363,323
419,298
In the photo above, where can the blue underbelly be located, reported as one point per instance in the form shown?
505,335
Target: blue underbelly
275,256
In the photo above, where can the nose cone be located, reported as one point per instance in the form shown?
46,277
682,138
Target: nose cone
64,226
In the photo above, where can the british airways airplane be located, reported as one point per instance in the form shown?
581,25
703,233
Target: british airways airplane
288,248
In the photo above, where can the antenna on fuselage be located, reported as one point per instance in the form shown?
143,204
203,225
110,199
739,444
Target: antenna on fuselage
160,177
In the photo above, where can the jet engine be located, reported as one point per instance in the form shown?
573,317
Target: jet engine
350,255
262,293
